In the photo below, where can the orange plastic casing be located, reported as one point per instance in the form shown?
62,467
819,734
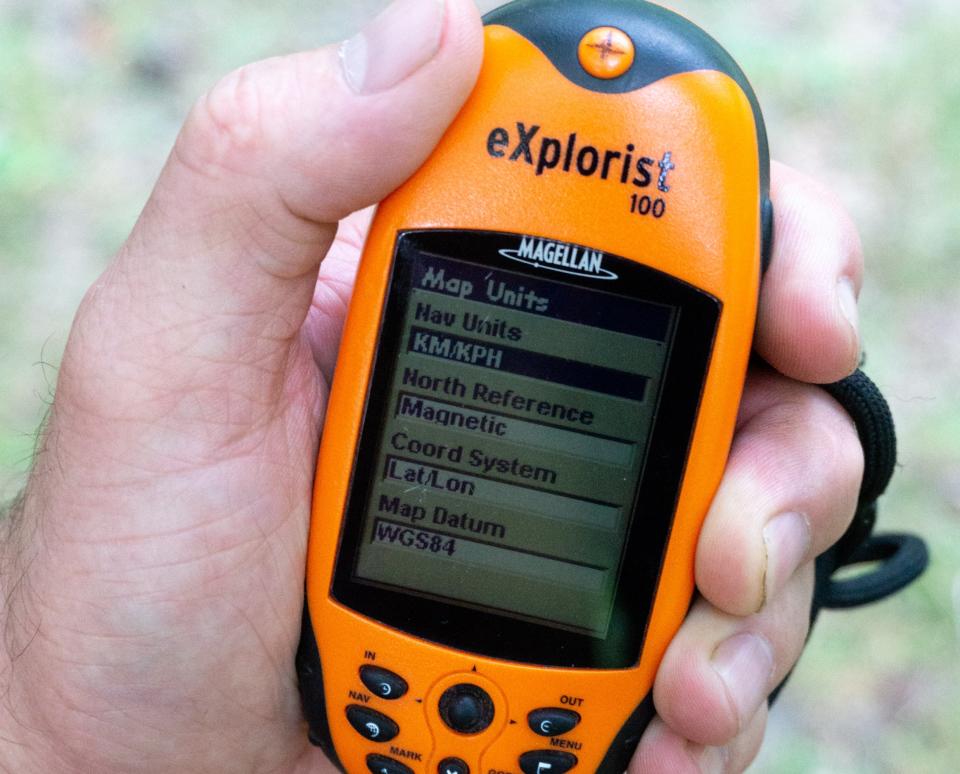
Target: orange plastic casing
709,237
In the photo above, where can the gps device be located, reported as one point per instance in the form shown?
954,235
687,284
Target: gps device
534,401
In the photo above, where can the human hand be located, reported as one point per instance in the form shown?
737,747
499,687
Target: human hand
788,493
153,569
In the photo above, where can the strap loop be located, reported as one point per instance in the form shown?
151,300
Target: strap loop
900,559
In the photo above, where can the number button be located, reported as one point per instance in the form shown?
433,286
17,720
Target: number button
453,766
383,682
370,724
551,721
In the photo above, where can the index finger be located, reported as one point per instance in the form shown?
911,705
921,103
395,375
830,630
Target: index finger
807,326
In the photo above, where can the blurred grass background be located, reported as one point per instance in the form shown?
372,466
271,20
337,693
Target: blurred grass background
863,95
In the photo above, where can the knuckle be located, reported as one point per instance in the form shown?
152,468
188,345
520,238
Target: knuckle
743,750
848,238
230,115
838,226
802,453
813,425
807,206
786,622
662,749
691,699
230,126
837,439
235,107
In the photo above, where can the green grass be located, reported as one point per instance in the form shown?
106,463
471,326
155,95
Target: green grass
864,95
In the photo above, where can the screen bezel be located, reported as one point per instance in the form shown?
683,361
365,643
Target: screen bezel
482,631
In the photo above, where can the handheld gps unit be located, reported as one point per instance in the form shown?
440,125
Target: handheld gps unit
534,402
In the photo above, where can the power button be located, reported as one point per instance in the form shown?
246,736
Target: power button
606,52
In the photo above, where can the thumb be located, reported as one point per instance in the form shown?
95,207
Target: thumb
216,280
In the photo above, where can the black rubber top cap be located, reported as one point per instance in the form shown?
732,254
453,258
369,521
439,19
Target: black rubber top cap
666,44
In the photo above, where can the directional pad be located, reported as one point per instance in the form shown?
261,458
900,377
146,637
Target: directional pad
466,708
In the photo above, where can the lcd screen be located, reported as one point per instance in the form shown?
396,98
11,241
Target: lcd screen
516,421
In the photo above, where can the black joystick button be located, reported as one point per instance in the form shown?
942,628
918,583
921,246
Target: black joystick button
466,708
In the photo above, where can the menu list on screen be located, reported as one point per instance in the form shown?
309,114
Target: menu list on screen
519,412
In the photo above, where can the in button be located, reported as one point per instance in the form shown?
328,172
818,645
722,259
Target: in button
383,682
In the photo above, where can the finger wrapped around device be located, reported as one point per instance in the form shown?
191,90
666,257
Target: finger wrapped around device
808,323
663,749
789,492
720,668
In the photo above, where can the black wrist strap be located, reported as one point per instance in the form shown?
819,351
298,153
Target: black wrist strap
899,559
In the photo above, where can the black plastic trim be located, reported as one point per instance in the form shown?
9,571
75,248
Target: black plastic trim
617,759
667,44
766,224
310,674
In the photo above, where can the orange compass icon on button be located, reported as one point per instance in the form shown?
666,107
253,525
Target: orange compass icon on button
606,52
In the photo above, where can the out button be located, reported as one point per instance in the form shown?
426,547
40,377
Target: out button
551,721
606,52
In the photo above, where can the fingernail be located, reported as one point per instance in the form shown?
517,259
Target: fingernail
745,664
713,760
392,47
786,539
847,300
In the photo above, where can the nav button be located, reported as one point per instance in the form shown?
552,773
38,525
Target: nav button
372,725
